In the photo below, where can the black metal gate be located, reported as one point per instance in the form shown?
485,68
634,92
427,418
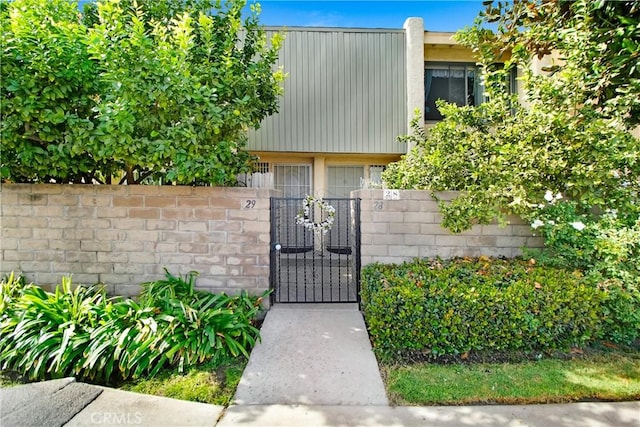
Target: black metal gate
308,266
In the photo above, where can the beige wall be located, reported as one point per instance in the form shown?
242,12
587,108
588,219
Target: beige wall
395,231
414,47
442,47
321,161
125,235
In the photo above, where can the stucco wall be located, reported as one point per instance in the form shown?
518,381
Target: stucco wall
125,235
399,230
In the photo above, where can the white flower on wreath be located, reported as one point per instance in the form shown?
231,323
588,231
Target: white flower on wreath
326,210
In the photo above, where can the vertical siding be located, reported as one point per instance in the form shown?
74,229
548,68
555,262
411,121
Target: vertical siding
345,93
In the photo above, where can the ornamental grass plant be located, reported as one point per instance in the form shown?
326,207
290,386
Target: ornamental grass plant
79,331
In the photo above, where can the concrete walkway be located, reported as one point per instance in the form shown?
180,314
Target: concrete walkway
312,354
314,367
67,403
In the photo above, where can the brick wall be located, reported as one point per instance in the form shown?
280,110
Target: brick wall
125,235
394,231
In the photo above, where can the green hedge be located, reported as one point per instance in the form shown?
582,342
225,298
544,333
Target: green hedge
483,304
621,310
79,331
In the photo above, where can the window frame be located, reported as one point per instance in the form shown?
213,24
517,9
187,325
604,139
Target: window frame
478,86
286,189
333,191
467,68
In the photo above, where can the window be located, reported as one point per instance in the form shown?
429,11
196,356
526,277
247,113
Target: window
374,178
293,180
262,167
457,83
375,174
344,179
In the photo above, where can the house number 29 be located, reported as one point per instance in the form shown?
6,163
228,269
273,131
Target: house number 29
250,204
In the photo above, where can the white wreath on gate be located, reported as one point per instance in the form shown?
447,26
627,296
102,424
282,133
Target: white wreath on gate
326,210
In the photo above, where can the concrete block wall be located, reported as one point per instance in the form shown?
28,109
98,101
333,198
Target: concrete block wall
394,231
125,235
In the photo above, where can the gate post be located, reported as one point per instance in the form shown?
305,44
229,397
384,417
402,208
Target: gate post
272,251
358,236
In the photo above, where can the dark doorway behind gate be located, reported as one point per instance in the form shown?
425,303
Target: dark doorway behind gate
312,267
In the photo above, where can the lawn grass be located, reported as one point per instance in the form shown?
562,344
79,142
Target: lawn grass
8,380
610,377
211,382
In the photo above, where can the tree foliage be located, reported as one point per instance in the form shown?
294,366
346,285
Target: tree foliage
48,92
597,41
162,89
569,134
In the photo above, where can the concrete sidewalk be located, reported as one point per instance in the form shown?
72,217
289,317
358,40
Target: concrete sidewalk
65,402
315,367
49,404
601,414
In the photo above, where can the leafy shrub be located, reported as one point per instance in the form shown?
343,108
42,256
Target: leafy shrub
621,310
148,90
11,287
461,305
606,248
577,237
80,331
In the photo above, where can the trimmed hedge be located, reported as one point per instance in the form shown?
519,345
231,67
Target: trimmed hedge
621,310
461,305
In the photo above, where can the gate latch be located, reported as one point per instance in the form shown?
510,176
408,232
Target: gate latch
277,246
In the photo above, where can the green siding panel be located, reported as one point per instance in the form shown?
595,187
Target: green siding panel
345,93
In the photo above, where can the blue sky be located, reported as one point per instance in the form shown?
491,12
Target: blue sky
438,15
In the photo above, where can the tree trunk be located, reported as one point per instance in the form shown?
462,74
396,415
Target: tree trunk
130,179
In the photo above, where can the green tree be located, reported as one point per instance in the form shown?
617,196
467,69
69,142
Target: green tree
597,41
571,135
172,88
48,91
